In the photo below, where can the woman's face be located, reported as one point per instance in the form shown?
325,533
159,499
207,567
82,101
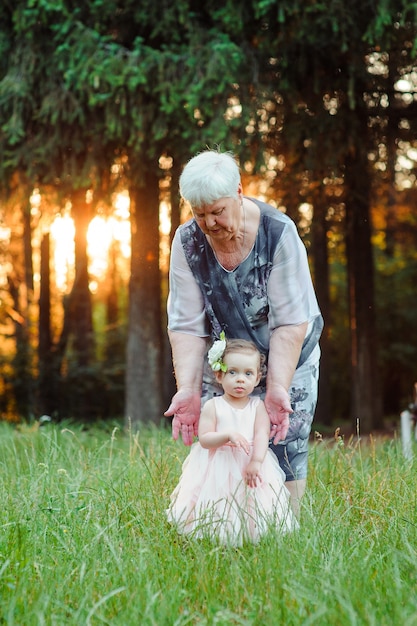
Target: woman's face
220,220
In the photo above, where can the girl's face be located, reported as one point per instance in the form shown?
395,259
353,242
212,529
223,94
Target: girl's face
220,220
242,376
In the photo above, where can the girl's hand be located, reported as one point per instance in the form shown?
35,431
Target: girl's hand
251,474
237,440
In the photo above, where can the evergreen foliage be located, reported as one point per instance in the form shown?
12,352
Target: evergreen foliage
93,94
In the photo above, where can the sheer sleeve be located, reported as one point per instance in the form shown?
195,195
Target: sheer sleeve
291,295
185,305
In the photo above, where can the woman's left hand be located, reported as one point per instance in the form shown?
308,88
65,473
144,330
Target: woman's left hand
278,407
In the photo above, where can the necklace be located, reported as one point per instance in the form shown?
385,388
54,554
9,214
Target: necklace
230,259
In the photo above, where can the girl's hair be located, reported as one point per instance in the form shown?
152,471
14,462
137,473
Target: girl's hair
242,345
209,176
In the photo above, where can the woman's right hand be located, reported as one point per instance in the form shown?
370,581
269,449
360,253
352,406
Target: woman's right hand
185,408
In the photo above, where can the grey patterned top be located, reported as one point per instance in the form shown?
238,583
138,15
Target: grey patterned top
270,288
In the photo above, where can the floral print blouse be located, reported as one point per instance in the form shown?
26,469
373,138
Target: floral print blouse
271,287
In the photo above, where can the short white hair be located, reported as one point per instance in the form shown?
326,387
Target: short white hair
209,176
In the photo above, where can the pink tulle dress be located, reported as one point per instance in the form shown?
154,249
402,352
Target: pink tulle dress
212,500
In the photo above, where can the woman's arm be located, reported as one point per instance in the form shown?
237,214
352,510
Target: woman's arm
187,334
188,353
284,352
292,304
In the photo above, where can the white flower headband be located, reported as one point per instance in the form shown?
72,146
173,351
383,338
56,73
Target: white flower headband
215,354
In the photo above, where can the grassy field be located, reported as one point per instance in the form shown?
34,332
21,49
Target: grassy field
84,540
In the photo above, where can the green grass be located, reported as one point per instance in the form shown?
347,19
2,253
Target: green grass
84,540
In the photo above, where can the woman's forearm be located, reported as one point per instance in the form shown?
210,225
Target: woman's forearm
284,352
188,352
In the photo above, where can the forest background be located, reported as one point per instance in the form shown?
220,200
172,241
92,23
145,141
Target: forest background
102,103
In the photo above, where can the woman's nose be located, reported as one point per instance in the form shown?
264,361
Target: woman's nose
210,221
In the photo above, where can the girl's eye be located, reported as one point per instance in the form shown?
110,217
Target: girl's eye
249,373
232,372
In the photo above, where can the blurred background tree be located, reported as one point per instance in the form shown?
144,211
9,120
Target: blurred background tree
105,102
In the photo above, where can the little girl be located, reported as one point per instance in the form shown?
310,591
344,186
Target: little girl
231,487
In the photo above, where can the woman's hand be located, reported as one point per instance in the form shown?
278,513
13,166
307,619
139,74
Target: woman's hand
278,407
185,407
284,352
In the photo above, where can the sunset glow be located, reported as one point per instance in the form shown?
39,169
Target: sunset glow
102,232
62,233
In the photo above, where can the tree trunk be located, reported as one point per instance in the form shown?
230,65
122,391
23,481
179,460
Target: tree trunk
321,281
143,400
47,376
175,197
21,290
365,395
169,384
82,403
112,306
82,316
114,364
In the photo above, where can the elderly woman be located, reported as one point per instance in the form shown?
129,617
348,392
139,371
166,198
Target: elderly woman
240,267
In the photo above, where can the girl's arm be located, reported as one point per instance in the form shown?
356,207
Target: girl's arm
209,438
260,446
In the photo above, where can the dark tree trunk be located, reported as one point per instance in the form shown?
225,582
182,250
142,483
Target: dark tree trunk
112,308
114,357
47,376
143,402
27,245
365,395
81,313
169,385
22,361
175,197
21,291
321,282
78,320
